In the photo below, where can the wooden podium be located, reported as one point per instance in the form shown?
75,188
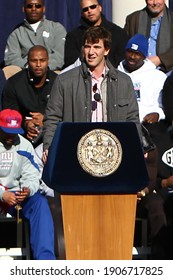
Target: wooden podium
98,213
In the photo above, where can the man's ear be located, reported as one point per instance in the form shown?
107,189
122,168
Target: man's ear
106,52
100,8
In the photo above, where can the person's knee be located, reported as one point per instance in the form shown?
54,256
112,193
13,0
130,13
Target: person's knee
36,203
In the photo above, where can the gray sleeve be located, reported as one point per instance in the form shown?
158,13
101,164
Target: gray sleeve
133,109
56,52
53,113
30,172
44,189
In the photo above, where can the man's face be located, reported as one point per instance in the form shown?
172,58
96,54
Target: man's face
38,63
156,7
133,60
94,54
7,139
34,10
91,11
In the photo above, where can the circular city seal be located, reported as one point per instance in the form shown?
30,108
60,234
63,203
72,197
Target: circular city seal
99,152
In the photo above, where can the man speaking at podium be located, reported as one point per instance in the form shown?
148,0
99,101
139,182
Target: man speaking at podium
93,92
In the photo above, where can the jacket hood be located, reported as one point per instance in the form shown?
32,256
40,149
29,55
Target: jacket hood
147,66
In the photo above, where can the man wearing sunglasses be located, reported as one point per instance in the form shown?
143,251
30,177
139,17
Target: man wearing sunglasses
36,30
91,15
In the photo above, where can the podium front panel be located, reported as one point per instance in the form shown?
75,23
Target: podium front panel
64,174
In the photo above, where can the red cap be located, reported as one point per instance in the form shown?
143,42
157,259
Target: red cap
10,121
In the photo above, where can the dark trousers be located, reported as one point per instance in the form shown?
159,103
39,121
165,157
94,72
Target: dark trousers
158,208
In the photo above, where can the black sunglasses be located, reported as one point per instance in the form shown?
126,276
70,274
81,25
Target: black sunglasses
30,6
92,7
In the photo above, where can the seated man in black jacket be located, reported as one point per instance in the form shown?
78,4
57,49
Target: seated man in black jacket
28,91
91,15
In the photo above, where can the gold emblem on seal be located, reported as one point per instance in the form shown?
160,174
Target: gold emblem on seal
99,152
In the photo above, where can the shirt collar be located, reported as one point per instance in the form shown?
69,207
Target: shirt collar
101,76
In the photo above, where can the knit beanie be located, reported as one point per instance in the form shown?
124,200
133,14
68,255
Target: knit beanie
138,43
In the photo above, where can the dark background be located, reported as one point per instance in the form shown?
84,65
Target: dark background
66,12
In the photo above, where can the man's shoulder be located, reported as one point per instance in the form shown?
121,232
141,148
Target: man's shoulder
169,79
20,144
154,78
123,75
151,69
170,14
22,139
18,28
52,24
77,31
47,23
52,74
116,31
110,25
18,76
134,14
23,144
72,74
161,75
117,74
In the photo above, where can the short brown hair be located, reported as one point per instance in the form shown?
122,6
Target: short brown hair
94,33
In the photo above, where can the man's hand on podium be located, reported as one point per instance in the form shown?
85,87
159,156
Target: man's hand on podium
142,193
